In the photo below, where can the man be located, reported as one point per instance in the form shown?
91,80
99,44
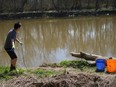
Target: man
10,44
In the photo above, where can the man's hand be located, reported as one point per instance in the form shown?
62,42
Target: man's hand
21,43
13,45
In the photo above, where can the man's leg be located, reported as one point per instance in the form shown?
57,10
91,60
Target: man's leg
13,64
13,57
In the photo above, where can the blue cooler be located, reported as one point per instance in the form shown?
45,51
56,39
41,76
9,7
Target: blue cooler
100,65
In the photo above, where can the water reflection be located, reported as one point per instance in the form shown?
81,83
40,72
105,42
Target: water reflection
51,40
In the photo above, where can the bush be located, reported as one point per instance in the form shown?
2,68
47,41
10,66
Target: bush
75,64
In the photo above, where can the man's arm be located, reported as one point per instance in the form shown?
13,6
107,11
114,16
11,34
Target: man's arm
18,41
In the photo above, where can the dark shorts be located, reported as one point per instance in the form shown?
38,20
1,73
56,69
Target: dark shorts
11,53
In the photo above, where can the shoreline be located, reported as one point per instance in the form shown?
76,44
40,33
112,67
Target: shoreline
55,14
57,74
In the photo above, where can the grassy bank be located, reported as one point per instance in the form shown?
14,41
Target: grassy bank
44,71
64,74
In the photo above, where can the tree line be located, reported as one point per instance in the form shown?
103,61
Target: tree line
54,5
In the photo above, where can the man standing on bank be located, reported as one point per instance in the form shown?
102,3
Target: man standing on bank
10,44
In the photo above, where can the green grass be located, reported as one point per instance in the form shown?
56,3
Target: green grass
53,65
46,73
75,64
69,63
6,75
4,69
79,64
82,65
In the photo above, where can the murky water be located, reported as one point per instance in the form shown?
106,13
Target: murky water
52,40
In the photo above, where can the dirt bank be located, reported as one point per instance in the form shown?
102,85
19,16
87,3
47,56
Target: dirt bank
64,80
55,75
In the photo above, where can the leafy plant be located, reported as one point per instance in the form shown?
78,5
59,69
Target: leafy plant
74,63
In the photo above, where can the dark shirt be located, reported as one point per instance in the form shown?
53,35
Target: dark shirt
11,35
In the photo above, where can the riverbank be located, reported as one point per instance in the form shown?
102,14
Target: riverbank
64,74
56,14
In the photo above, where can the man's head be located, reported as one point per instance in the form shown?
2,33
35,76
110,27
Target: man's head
17,26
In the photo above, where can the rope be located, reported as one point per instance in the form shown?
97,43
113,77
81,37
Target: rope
23,56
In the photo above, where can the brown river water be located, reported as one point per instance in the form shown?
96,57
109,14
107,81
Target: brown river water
52,40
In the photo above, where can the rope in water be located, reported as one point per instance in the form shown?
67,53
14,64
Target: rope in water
23,56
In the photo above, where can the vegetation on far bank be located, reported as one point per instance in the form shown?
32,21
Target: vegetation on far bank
55,5
17,9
